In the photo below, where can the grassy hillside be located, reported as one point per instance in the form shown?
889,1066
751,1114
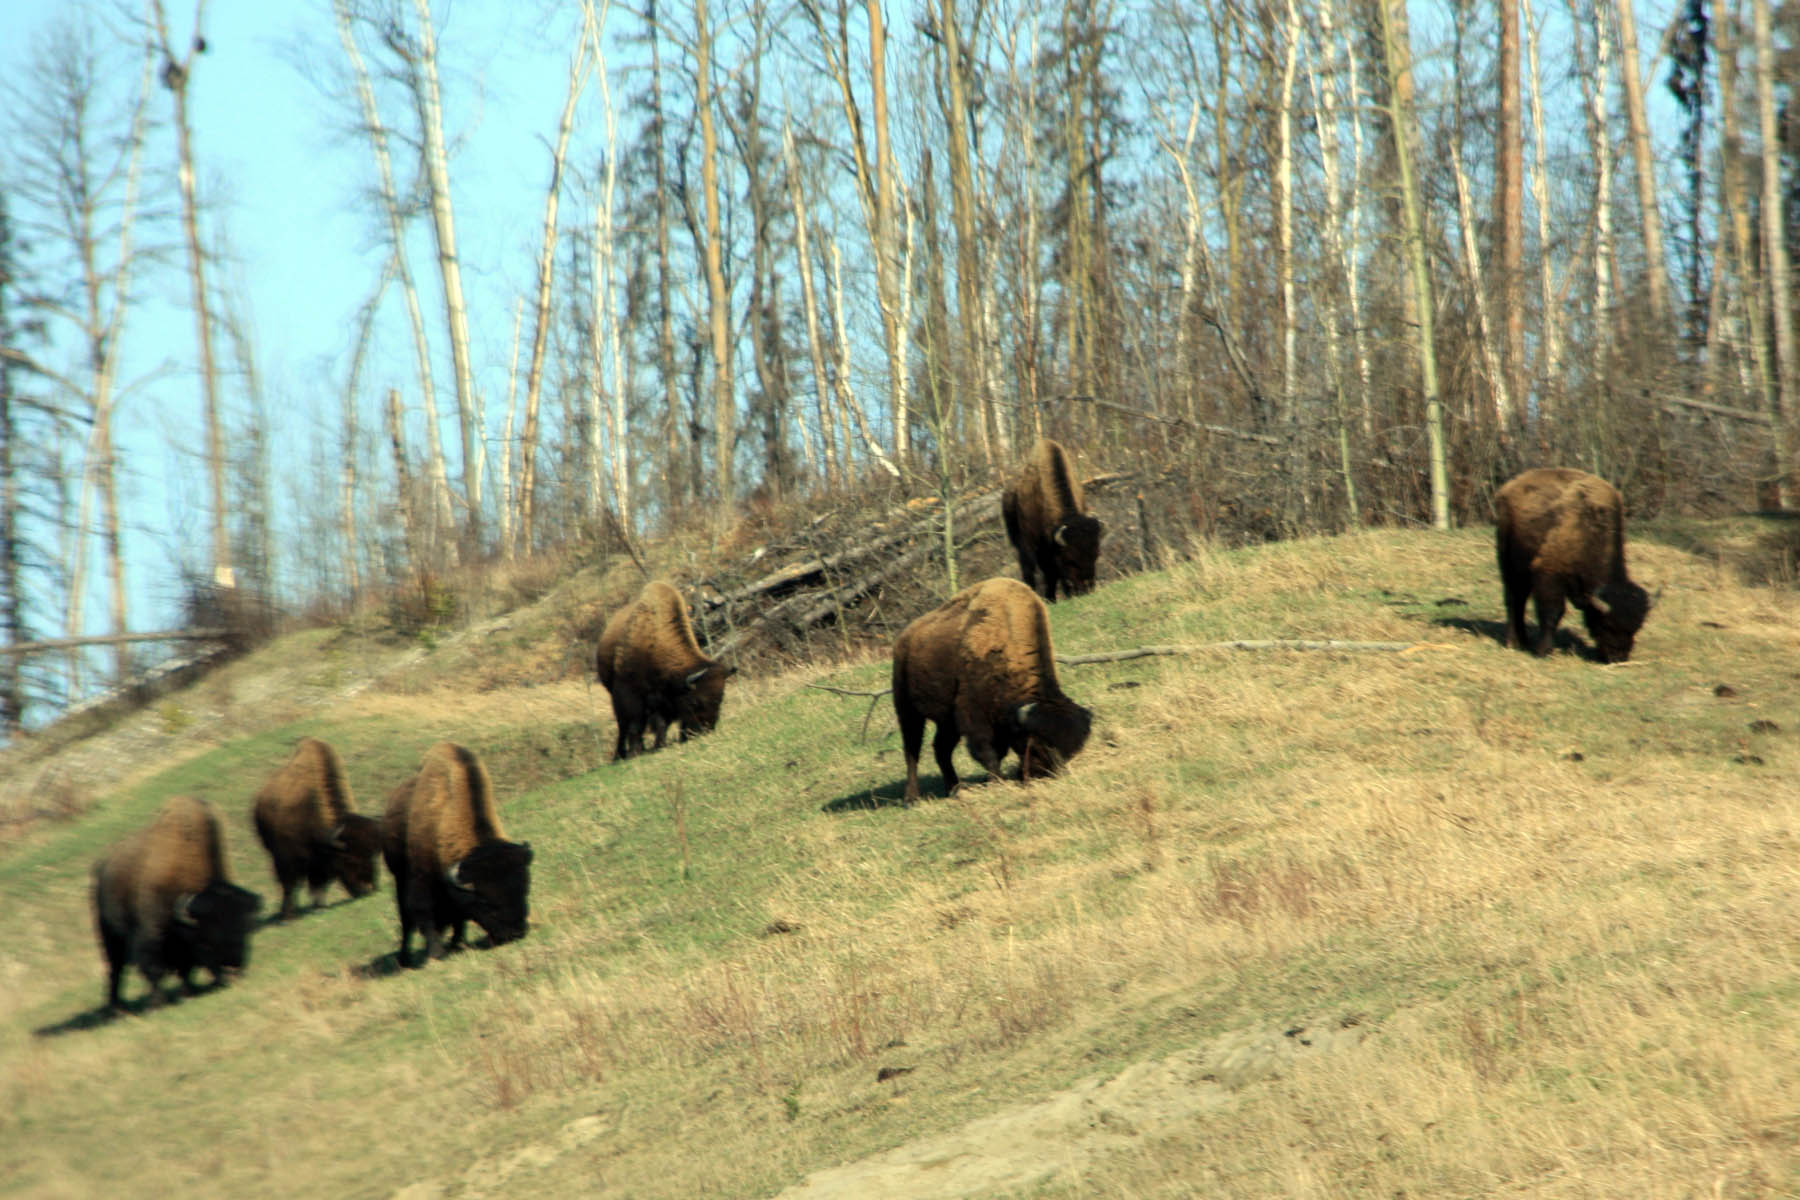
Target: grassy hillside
1555,900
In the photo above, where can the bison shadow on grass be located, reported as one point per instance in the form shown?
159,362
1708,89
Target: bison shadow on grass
893,795
104,1015
1495,632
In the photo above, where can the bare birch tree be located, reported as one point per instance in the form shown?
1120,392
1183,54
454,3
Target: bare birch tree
1785,399
419,53
1550,369
1398,55
376,130
724,391
1637,123
580,68
177,72
81,168
876,184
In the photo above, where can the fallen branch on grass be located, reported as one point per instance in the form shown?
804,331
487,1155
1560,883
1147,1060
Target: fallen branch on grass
1081,660
826,687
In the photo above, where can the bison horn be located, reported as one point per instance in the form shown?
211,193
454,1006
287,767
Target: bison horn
182,906
336,840
1600,606
694,676
1060,535
1024,714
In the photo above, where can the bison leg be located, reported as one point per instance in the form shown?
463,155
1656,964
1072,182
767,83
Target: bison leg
912,740
630,720
980,741
659,727
1547,596
118,956
318,876
943,745
410,918
1517,593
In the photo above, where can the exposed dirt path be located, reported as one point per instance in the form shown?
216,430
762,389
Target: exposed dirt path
1036,1142
1017,1148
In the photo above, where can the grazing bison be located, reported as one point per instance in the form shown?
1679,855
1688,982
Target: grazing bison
1056,541
649,661
163,901
450,858
308,823
982,667
1560,535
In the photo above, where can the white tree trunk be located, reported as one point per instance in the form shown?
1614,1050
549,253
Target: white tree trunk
1774,230
443,227
376,130
810,306
1540,198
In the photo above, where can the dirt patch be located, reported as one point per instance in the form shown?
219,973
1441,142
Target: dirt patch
1030,1145
1019,1148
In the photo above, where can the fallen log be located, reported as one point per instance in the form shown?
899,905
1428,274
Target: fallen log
1082,660
799,613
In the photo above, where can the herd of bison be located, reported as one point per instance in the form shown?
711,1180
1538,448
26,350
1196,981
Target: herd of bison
981,668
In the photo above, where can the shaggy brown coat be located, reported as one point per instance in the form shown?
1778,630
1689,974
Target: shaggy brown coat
652,666
164,901
306,819
451,861
983,669
1560,536
1058,543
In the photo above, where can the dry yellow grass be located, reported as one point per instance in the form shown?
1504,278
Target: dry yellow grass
1554,899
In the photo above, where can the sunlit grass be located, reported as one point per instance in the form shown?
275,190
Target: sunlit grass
1558,895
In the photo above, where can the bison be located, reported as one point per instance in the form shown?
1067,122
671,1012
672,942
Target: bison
164,902
1560,535
308,823
649,661
1056,541
982,667
450,859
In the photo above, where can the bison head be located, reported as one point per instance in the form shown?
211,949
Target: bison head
355,843
1613,616
491,884
1077,542
702,694
211,928
1055,731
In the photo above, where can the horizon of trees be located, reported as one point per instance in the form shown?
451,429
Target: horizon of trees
1336,262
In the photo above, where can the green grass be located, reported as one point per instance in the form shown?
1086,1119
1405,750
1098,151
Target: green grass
1559,891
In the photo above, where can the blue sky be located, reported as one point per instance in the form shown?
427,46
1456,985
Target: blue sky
287,177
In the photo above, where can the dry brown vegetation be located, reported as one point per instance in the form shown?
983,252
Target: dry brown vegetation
1553,902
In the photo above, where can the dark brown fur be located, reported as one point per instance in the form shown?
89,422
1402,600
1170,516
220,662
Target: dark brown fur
307,821
1560,536
164,902
451,862
1058,543
982,668
649,662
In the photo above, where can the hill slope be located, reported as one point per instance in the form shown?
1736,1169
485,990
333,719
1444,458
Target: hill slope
1553,900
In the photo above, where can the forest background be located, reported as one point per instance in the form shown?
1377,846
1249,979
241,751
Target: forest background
304,307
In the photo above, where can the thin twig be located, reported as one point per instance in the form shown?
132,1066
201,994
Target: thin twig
1078,660
826,687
